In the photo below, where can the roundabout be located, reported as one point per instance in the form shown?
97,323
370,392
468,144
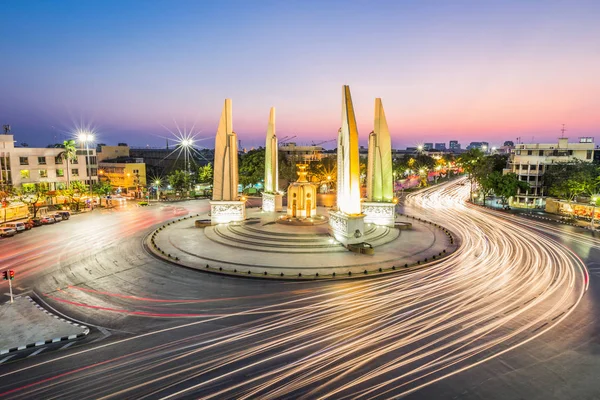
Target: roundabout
261,247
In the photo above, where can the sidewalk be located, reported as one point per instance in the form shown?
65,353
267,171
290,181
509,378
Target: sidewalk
25,324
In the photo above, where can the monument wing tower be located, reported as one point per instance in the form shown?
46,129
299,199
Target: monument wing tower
225,182
380,175
271,198
225,206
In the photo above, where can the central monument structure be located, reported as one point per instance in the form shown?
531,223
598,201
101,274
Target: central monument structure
271,198
346,224
380,205
225,206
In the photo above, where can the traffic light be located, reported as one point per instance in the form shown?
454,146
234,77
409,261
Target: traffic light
5,275
11,274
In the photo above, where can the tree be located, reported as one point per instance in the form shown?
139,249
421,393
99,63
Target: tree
70,154
569,180
206,173
323,171
34,195
252,167
179,180
508,186
102,188
74,193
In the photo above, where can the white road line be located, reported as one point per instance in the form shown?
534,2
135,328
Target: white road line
66,345
6,359
38,351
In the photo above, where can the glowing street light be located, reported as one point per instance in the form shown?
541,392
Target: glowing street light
157,184
87,138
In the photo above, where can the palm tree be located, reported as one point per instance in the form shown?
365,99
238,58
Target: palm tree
70,154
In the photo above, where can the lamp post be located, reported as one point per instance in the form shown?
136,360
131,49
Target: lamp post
186,144
157,184
594,200
86,137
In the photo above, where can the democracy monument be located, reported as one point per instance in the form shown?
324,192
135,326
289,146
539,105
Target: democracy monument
358,235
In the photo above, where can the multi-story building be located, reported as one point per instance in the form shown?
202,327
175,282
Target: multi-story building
485,146
30,165
427,146
124,173
440,146
530,161
302,153
163,161
454,145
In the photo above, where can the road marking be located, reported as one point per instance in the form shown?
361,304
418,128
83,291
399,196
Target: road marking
6,358
38,351
66,345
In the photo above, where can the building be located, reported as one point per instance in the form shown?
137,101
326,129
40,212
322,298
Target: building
440,146
427,146
30,165
302,154
530,161
484,146
162,161
454,145
124,173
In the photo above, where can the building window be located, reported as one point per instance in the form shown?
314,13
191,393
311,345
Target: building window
533,167
42,160
24,174
532,178
588,156
43,173
60,173
518,152
93,160
541,153
58,160
529,152
75,161
24,160
570,152
94,171
75,172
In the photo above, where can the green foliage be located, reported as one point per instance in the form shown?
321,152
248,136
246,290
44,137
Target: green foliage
323,171
102,188
70,154
569,180
252,167
509,185
206,174
179,180
32,195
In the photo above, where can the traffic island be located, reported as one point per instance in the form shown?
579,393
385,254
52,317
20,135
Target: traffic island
247,249
25,324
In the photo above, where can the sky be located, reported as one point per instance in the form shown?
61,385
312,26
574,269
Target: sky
137,71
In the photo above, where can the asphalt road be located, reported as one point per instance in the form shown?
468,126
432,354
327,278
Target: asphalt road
486,322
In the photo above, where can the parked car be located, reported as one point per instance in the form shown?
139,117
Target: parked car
57,217
17,226
64,214
35,222
7,232
47,220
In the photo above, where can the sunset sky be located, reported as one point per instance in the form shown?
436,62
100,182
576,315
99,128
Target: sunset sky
466,70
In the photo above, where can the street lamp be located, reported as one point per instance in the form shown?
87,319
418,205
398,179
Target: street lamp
186,144
157,184
86,137
594,201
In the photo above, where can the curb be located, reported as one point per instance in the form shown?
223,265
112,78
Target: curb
48,341
150,245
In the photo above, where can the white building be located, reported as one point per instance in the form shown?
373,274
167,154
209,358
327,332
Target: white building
530,161
31,165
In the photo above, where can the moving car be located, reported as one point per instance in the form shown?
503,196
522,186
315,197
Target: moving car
7,232
17,226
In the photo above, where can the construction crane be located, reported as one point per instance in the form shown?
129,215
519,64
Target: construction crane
323,142
286,139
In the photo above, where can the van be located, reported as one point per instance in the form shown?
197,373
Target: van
17,226
64,214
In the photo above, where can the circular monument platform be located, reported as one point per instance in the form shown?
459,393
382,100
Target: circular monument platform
261,247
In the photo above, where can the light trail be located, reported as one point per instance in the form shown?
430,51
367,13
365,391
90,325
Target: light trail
380,338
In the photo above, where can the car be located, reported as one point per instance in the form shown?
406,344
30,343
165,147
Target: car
17,226
64,214
180,211
35,222
7,232
47,220
57,217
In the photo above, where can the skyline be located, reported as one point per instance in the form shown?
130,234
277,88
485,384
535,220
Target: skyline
464,71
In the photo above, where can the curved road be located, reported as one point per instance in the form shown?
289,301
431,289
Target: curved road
168,332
